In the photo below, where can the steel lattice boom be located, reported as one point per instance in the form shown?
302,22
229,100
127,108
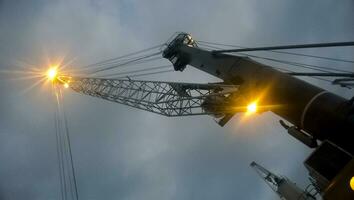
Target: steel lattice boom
165,98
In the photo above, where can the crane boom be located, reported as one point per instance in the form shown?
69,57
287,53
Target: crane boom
165,98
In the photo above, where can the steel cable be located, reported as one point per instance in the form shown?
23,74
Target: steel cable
124,63
308,66
284,52
123,56
136,71
296,64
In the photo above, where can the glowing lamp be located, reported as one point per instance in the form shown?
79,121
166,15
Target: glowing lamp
52,74
251,108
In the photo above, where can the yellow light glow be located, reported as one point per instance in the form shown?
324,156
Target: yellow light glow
252,108
66,85
352,183
52,73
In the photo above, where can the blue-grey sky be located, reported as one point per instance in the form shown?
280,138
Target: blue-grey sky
124,153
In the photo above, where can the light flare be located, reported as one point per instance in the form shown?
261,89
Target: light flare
52,73
251,108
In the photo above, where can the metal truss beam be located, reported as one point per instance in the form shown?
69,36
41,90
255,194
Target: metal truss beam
165,98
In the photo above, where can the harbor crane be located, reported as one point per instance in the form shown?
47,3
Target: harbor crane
310,114
282,186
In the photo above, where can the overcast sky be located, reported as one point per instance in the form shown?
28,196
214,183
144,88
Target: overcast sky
124,153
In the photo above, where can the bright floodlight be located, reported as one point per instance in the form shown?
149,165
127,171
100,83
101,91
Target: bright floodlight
252,108
52,73
352,183
66,85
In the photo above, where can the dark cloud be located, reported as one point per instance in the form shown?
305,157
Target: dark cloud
123,153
